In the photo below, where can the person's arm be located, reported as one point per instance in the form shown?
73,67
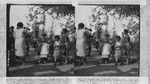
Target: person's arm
24,33
14,34
84,34
121,45
75,35
60,44
54,45
67,37
129,40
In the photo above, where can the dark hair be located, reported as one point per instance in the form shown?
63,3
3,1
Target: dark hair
118,37
107,35
125,31
74,28
28,28
65,30
81,25
57,37
44,34
90,29
86,28
20,24
12,27
44,40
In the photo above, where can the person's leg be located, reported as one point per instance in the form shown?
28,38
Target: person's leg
40,60
96,46
28,48
89,49
116,60
18,60
128,56
55,60
80,60
100,49
45,60
56,56
120,60
35,45
25,51
100,60
67,55
23,60
106,60
85,60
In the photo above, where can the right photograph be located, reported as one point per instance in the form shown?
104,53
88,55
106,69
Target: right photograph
107,40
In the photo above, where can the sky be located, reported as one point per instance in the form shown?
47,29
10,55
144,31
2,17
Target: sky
82,14
18,14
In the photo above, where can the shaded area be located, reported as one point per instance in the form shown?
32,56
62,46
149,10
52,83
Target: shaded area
33,68
94,69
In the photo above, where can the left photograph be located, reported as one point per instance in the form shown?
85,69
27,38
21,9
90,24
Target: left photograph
40,40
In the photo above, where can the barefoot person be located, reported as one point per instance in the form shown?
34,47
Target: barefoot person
57,47
118,50
19,35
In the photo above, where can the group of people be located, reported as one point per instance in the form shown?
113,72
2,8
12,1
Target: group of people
116,48
61,48
75,44
108,47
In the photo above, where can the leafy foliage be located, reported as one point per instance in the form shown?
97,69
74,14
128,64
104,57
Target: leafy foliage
130,13
126,10
65,10
59,13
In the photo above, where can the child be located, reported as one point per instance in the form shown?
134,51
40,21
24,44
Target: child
44,52
57,46
118,51
105,52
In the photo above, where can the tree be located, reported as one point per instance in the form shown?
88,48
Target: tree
111,16
126,10
38,15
